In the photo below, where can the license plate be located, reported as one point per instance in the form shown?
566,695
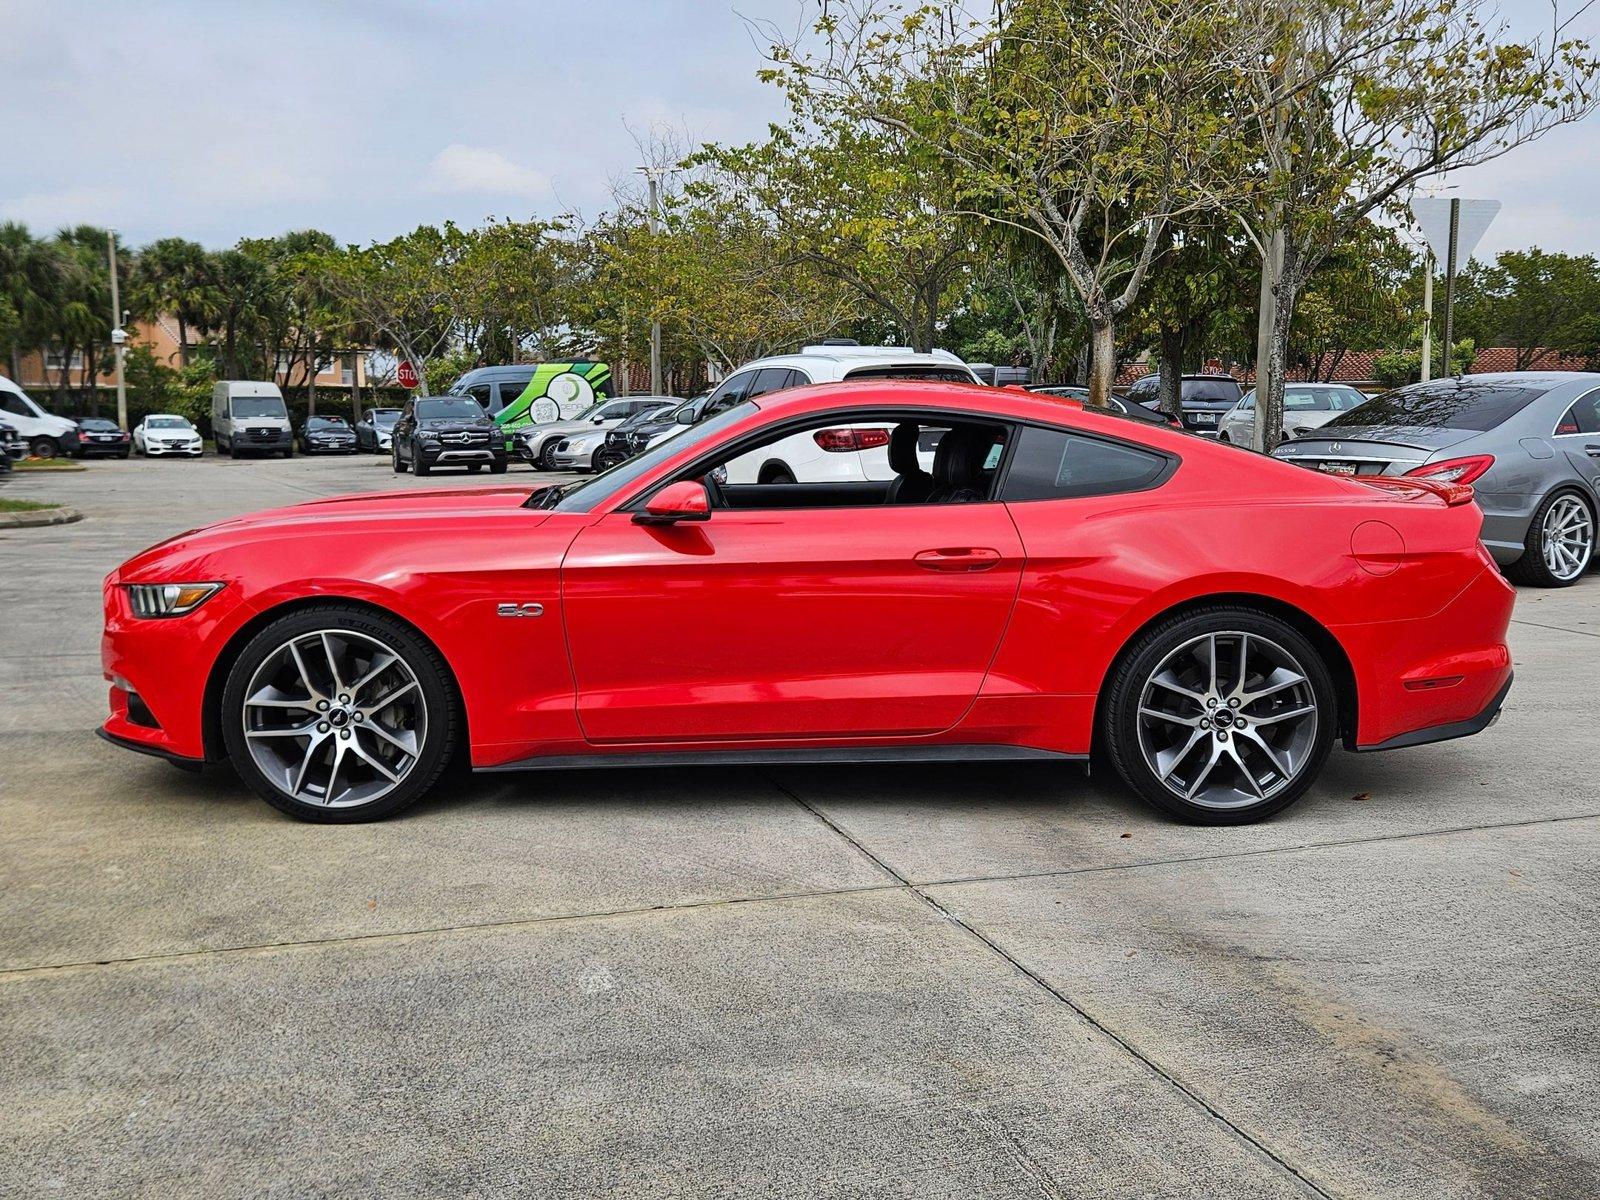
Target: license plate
1337,468
1204,418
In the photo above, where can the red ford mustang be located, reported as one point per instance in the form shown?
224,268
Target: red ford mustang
985,574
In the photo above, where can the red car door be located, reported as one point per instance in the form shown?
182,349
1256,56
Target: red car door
795,623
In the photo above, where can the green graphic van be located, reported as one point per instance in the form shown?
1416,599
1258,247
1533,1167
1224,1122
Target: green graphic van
535,393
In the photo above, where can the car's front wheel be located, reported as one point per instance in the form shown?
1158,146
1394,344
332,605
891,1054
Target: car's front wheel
339,714
44,447
1220,716
1559,546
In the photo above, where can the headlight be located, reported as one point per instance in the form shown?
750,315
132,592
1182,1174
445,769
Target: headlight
169,599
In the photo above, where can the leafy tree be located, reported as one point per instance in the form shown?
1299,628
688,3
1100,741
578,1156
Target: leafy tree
1357,299
1089,124
171,276
1530,300
1354,101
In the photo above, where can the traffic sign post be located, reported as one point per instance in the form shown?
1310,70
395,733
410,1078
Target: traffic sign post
1452,229
407,375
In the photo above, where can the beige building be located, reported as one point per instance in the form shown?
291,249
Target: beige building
41,371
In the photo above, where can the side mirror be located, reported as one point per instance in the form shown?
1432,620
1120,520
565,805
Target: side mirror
683,501
684,417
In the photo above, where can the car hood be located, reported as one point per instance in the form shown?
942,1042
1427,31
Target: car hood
397,515
561,427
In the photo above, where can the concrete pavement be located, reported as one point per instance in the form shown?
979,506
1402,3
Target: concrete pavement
969,981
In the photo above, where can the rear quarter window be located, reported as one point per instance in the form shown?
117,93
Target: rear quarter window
1052,464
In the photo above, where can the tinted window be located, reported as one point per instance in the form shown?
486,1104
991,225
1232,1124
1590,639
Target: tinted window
167,423
930,374
480,393
1143,389
1463,403
385,417
1248,403
442,408
326,423
96,423
257,406
729,392
1051,464
768,380
1211,390
1582,417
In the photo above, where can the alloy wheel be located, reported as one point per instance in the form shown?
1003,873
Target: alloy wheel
1227,720
1567,538
334,718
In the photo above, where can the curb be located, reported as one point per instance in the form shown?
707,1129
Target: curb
43,516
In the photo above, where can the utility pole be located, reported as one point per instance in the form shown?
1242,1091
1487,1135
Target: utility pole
655,323
119,336
1427,316
1450,287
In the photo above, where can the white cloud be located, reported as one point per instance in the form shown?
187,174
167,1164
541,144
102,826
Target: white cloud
477,170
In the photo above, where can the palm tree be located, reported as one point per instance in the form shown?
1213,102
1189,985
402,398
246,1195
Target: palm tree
171,276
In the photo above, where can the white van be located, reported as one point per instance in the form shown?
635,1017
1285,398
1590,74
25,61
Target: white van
250,417
46,435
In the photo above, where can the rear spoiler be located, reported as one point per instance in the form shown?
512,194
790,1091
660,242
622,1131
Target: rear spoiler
1453,494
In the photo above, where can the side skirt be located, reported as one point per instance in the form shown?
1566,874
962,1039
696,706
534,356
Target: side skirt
827,755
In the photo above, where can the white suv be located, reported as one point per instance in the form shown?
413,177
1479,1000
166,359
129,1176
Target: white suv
849,453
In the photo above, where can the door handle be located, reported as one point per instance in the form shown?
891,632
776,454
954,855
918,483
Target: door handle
1592,450
958,558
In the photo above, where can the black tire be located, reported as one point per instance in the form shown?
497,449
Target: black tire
399,463
775,473
1120,731
498,468
123,455
1531,569
233,451
419,466
289,453
547,455
474,468
443,722
44,447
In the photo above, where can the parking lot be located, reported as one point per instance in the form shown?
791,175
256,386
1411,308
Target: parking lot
918,981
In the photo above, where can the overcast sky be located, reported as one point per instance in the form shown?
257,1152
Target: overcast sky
220,119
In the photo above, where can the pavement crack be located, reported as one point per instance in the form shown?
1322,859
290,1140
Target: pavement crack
1554,628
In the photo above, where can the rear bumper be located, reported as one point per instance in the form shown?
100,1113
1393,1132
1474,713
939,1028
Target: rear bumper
1433,678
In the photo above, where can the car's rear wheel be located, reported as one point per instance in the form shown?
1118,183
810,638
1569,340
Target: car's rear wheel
44,447
1559,546
339,714
775,473
1220,716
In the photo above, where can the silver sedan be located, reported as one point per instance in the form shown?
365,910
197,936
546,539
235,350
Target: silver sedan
1527,441
1306,406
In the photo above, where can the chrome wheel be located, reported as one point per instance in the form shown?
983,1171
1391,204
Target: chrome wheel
334,718
1566,539
1227,720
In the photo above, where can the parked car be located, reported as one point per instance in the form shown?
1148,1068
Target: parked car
1527,441
1306,406
844,454
535,444
374,428
250,417
1202,398
582,451
618,444
1115,404
47,435
535,393
12,446
163,435
327,435
1017,606
101,437
636,436
446,431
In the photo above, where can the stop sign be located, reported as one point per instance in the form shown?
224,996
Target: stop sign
407,374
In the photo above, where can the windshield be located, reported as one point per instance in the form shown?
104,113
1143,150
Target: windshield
258,406
928,374
96,423
1211,390
583,497
167,423
385,417
449,408
326,423
1321,399
1463,403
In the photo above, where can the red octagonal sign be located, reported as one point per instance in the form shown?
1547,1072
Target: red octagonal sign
407,374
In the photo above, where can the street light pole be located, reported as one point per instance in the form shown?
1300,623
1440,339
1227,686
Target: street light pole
655,323
119,336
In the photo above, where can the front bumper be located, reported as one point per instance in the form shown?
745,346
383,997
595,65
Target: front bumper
190,450
574,460
444,456
330,447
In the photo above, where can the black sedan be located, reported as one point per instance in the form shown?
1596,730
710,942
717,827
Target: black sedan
326,435
102,438
447,431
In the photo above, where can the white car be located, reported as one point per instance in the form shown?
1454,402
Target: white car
162,434
46,434
536,444
850,453
1305,407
